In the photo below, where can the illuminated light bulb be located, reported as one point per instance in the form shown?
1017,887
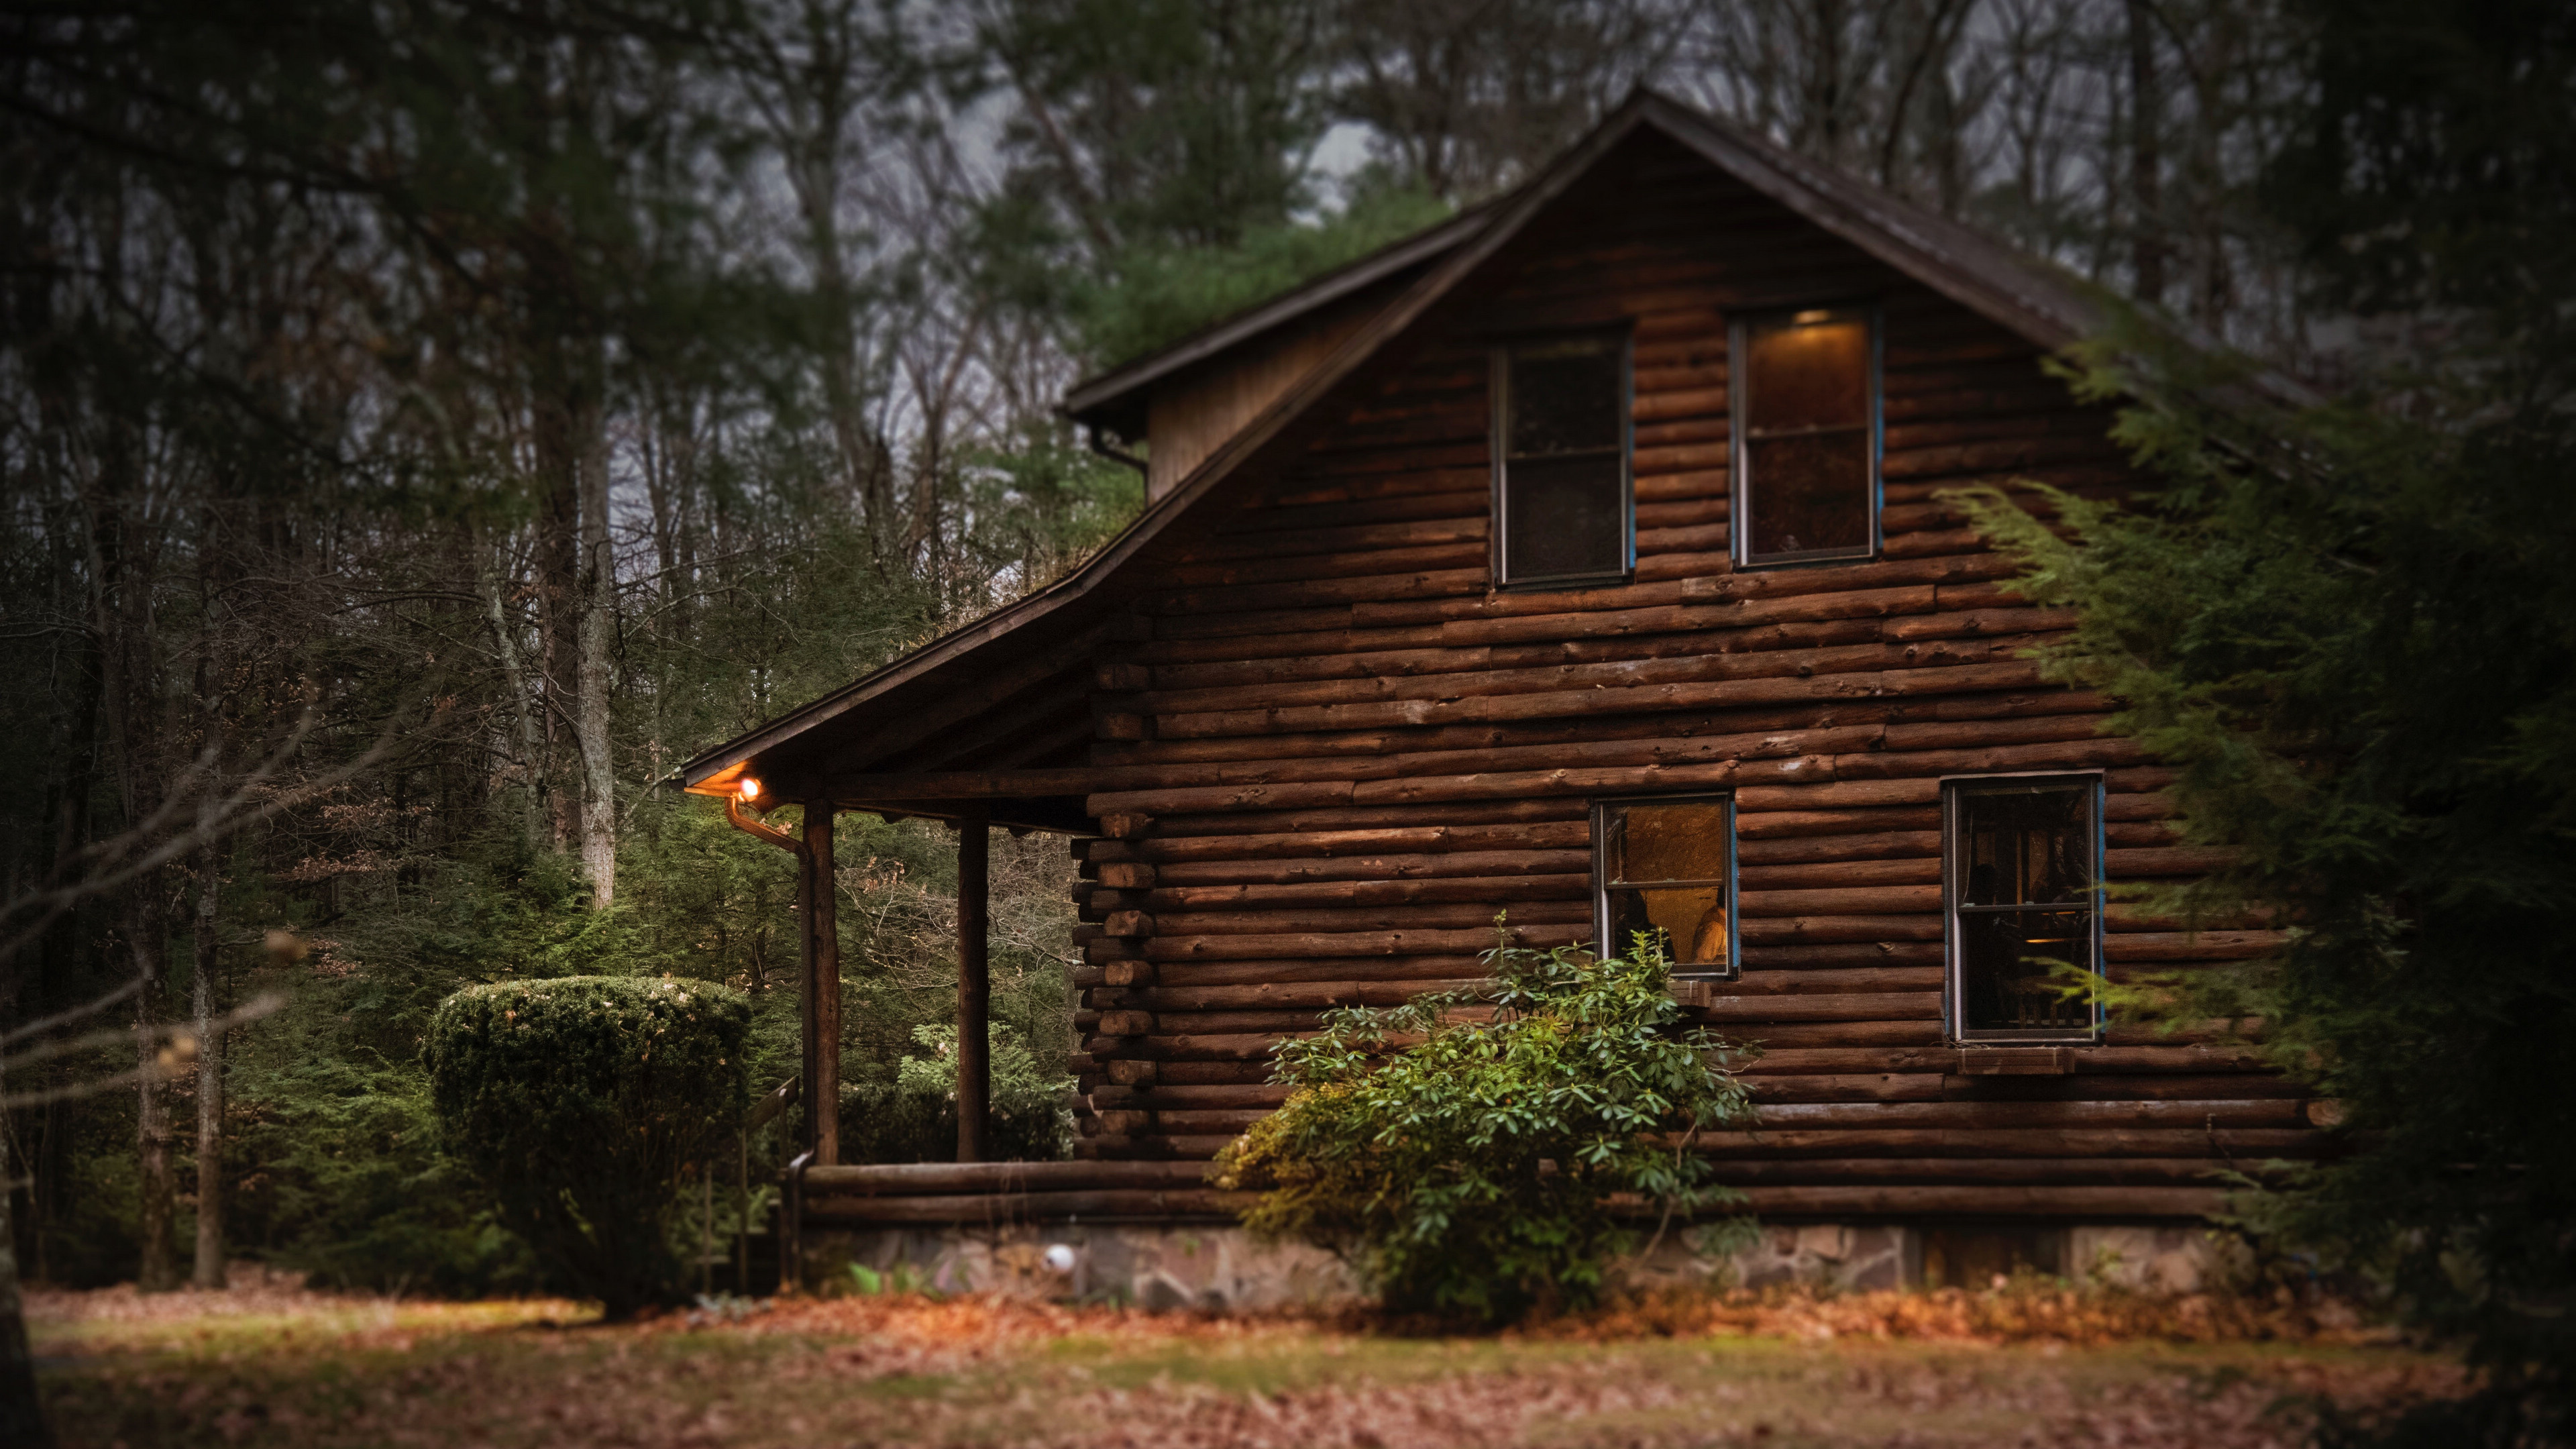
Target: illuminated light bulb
750,788
1810,319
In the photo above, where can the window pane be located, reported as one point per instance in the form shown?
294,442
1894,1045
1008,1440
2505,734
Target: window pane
1563,516
1816,376
1685,840
1692,920
1565,398
2032,846
1808,492
2004,959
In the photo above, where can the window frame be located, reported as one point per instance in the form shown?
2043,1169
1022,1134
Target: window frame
1622,336
1601,885
1740,482
1954,790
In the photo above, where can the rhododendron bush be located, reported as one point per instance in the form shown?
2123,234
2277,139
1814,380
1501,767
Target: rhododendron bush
1478,1169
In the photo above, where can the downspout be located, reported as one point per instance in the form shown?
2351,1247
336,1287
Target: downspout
758,831
1092,440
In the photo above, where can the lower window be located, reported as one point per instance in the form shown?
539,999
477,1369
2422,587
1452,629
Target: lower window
2021,859
1664,866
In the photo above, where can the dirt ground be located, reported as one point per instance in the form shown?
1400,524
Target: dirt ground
269,1363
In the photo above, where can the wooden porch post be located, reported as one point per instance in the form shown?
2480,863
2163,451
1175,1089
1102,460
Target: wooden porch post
817,911
974,990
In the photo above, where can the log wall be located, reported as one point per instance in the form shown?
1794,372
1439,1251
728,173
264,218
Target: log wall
1357,752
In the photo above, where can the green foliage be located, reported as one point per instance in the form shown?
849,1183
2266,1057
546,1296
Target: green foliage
1471,1171
914,1117
349,1185
1154,294
578,1102
2362,659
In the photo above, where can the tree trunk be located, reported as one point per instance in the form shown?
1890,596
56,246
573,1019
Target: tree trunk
156,1270
532,739
22,1417
974,990
2146,165
598,639
210,1090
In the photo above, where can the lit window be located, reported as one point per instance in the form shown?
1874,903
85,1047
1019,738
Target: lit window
1561,499
2021,856
1667,866
1806,436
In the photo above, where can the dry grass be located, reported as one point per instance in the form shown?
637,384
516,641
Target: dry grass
270,1364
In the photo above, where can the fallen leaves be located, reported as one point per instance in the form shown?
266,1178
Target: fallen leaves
271,1365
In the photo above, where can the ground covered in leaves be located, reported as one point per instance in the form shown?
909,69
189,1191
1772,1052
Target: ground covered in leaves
271,1364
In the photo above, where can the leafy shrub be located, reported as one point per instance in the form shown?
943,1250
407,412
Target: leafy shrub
577,1102
914,1117
1474,1170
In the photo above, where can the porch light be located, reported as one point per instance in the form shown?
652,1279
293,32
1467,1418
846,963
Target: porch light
1810,319
749,789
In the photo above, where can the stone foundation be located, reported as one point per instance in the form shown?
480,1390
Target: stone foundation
1218,1267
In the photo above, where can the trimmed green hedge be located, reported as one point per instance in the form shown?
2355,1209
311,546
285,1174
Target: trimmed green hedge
577,1102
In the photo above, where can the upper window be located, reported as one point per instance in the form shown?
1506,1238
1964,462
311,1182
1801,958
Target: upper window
1806,436
1666,866
1562,509
2020,860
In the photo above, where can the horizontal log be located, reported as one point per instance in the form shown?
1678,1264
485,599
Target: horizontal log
2247,1145
1827,1006
1634,631
1357,943
2246,1112
1564,837
1305,995
1788,930
1169,900
1853,1087
1889,778
919,1179
1211,1072
2165,861
1377,869
1551,665
1937,722
2192,1060
1208,1119
1274,1022
983,1208
1324,820
1872,899
1844,979
1235,1095
1812,956
1325,567
1849,871
1800,834
2180,946
1244,1047
1397,917
1306,969
1861,737
1979,665
1313,593
2124,1204
1964,1171
1775,1035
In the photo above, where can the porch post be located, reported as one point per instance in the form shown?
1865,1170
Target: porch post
817,911
974,990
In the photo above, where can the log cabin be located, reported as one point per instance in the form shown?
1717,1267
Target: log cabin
1583,557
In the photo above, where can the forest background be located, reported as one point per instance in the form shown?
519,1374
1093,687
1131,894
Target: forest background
427,423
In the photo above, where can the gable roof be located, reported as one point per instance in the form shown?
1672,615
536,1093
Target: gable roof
1036,650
